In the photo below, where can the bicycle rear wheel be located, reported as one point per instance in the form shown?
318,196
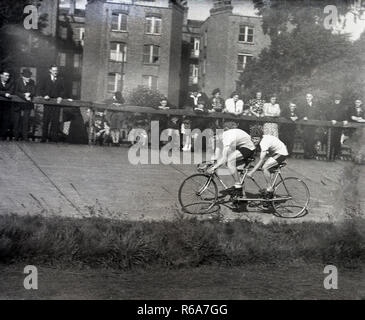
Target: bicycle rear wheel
198,194
292,198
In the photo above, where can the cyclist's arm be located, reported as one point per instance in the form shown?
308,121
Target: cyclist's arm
259,163
223,159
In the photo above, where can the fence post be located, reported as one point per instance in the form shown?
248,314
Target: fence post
329,142
91,122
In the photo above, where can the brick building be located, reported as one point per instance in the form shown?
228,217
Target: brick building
228,43
132,43
70,34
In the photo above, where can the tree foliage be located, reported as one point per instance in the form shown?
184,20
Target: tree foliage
304,55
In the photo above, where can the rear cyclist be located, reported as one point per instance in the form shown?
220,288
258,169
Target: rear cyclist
273,153
237,145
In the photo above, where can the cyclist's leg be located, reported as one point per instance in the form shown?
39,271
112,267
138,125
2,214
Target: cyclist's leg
232,167
269,163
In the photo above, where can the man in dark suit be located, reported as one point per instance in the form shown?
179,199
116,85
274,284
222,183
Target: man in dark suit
52,88
310,111
24,89
336,113
6,91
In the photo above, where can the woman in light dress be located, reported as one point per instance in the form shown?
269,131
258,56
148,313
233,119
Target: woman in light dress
271,109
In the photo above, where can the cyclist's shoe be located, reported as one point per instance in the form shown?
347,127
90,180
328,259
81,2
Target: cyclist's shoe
266,194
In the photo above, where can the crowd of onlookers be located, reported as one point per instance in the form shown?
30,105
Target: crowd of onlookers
111,127
15,114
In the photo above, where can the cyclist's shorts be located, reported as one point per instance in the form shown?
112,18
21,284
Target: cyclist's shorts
279,158
246,153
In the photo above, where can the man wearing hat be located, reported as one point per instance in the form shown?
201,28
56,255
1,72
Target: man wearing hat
336,113
25,89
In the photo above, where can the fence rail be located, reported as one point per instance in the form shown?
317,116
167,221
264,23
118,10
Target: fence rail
188,113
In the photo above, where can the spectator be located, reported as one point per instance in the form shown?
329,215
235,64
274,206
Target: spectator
216,103
196,97
24,89
356,113
234,105
115,118
102,128
52,87
173,130
257,105
310,112
161,118
271,109
287,131
6,91
140,130
336,113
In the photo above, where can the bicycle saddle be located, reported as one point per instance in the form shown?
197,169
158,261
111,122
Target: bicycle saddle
278,166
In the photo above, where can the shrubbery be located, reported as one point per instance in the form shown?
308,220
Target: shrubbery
187,243
145,97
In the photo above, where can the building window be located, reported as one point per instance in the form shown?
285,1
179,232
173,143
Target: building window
76,89
114,82
153,25
118,51
151,54
242,61
77,60
194,73
62,59
63,32
150,82
119,22
246,34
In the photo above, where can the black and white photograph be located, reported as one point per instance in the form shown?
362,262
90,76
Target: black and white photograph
182,150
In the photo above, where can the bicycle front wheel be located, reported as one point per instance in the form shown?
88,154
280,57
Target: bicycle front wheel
198,194
291,198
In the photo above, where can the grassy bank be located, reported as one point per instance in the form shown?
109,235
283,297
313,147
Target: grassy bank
181,243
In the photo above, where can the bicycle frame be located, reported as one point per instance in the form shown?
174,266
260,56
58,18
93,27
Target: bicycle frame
243,178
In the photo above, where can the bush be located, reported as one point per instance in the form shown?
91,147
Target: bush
145,97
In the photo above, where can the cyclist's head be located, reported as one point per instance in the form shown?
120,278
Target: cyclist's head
229,125
256,133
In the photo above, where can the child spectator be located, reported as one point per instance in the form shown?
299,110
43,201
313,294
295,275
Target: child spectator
102,129
141,127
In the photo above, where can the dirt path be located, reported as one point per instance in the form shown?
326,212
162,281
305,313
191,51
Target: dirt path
301,281
78,181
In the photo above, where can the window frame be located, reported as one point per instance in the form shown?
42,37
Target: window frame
150,81
116,87
153,20
151,54
246,33
244,64
118,51
120,15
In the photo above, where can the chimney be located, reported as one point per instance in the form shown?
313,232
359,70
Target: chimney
72,7
220,6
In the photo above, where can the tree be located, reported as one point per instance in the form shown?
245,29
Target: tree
301,50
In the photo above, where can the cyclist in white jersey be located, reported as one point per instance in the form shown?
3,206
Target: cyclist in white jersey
237,145
273,153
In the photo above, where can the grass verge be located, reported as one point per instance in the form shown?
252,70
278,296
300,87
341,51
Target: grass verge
186,243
